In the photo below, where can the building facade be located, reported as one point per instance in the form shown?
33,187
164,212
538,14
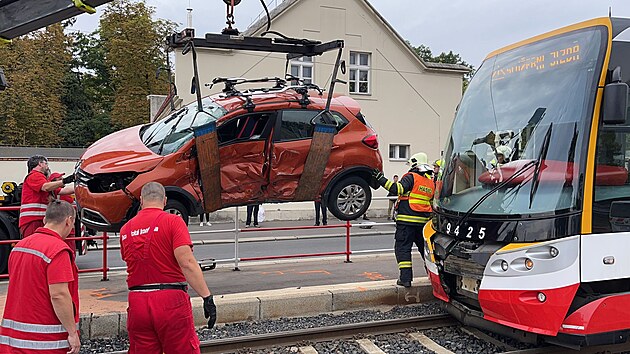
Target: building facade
410,103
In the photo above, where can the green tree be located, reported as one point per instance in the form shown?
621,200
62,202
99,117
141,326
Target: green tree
134,46
35,66
88,93
425,53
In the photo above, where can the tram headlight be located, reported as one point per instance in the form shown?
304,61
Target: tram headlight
529,264
542,297
504,266
553,252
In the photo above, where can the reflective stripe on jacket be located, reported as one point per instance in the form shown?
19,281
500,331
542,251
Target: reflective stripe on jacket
29,321
416,193
34,203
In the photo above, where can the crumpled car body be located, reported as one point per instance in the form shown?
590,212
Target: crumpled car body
262,155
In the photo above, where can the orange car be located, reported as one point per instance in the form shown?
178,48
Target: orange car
262,149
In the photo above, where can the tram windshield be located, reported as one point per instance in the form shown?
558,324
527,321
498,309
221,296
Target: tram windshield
531,103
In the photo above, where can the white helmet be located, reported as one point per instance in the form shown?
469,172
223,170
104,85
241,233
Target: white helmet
504,150
418,159
425,168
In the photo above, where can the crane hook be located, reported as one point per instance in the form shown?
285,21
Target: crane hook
230,17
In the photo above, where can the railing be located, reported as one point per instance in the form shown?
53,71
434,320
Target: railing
104,269
237,231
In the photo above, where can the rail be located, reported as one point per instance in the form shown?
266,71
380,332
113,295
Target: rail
284,338
237,230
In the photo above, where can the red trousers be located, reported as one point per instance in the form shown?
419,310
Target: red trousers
28,229
161,321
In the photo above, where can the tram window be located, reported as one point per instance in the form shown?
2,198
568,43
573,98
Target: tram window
612,182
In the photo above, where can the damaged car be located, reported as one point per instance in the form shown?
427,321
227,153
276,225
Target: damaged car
264,138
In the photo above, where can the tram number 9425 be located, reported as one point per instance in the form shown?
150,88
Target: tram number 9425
466,231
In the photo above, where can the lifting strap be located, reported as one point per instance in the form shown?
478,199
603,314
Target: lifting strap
209,164
5,41
316,161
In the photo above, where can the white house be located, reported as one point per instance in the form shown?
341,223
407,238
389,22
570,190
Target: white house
409,102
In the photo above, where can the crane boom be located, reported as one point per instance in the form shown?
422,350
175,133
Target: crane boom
19,17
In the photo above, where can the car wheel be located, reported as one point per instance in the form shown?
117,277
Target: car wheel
177,208
349,198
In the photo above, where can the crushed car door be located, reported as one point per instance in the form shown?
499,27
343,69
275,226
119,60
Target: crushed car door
291,143
243,153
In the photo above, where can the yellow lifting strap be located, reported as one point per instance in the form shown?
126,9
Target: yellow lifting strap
83,6
5,41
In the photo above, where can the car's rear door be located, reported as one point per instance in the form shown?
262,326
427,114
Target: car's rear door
243,152
291,143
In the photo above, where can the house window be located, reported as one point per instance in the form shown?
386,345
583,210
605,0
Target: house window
303,68
359,72
398,152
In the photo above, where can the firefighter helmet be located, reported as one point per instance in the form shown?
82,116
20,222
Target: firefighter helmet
418,159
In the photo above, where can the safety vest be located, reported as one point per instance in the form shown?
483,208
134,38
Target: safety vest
29,321
419,198
33,204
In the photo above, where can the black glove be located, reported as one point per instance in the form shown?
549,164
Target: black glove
68,179
210,311
377,174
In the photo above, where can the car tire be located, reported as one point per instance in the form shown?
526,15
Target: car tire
349,198
177,208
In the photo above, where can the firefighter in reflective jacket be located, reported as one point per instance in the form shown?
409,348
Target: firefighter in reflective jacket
41,314
415,191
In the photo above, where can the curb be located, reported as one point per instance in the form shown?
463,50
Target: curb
287,302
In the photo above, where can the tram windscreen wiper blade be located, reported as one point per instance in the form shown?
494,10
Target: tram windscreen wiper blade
519,172
541,157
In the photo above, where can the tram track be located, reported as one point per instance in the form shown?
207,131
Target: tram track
435,333
288,338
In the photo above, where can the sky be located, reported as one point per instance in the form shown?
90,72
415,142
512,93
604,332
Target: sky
471,28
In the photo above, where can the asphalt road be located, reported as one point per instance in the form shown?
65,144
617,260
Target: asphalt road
217,241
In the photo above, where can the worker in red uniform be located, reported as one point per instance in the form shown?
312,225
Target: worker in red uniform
41,314
157,248
35,194
56,194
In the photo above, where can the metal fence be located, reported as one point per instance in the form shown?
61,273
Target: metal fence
237,230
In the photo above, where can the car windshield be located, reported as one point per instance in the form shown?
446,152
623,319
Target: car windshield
518,99
171,133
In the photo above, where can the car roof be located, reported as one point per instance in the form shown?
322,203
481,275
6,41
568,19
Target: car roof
233,103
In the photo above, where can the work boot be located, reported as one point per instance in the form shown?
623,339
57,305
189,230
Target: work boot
406,284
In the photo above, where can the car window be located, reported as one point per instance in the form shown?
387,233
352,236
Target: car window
339,120
171,133
300,124
247,127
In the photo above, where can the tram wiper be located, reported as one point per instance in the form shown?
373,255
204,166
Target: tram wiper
543,154
519,172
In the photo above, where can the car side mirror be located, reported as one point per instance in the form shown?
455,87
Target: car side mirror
615,110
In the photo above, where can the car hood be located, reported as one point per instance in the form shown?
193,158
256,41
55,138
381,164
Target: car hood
119,152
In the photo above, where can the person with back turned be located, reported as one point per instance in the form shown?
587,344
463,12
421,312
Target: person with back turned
157,248
415,191
41,314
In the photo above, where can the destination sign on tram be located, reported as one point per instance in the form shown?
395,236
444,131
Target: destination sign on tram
541,62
